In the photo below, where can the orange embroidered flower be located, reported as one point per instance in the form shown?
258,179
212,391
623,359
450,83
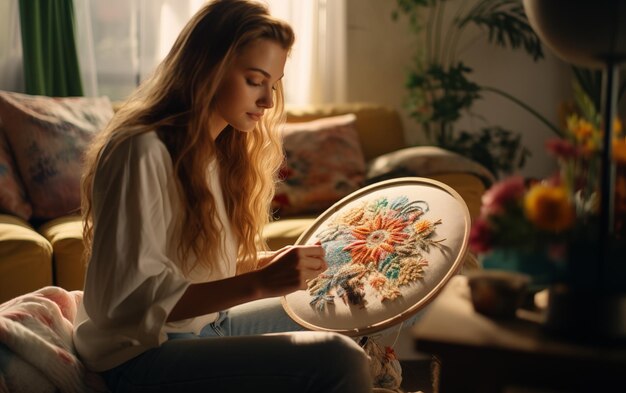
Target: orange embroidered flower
423,226
378,281
549,207
376,238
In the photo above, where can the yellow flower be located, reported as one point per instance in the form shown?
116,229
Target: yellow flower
589,146
582,129
549,207
619,150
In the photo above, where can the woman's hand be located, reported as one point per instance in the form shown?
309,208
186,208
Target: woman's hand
289,269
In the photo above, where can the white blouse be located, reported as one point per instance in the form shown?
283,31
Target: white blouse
134,278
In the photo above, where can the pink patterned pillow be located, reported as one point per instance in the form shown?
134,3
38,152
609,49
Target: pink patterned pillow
324,163
12,195
47,137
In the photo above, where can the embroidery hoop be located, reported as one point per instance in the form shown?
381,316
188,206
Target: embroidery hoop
445,203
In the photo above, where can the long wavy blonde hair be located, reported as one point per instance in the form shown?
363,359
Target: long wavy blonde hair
177,102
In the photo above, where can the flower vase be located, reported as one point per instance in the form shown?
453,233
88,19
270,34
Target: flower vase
589,302
541,269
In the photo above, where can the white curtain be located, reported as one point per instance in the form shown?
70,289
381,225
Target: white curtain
126,39
85,48
11,70
316,70
333,32
159,23
121,42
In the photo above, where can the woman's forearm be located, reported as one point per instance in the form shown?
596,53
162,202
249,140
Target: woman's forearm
285,271
209,297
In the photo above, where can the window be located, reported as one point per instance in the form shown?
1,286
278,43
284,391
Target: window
120,42
131,37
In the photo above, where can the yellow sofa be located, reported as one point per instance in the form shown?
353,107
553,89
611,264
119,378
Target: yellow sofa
51,254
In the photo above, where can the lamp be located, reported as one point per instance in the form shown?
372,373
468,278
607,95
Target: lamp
589,34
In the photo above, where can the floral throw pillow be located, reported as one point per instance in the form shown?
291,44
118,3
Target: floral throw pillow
12,195
48,137
323,163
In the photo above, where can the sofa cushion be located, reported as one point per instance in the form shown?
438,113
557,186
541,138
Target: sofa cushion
324,162
12,195
379,127
25,258
48,137
65,234
424,161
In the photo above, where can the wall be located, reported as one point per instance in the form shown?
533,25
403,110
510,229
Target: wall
380,52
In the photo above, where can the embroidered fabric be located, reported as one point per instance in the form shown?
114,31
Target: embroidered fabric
390,248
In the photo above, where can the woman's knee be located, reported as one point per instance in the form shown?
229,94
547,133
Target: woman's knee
346,362
339,352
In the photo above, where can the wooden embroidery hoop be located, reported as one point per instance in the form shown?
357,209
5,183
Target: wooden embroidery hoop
445,203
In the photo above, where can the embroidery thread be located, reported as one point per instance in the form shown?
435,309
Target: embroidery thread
379,244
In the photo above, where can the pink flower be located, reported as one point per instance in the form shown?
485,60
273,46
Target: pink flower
502,194
562,148
481,238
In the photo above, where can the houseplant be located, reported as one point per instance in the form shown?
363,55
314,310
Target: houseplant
440,86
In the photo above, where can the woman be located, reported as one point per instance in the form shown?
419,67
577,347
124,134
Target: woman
176,191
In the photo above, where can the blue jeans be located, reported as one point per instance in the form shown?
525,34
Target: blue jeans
254,347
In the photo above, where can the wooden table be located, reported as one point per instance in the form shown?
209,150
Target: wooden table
479,354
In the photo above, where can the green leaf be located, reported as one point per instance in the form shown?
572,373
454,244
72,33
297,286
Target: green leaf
497,149
506,24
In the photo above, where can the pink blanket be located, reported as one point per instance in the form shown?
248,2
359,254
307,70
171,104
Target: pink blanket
36,349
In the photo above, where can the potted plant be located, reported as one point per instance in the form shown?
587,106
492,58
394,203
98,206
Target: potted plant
440,88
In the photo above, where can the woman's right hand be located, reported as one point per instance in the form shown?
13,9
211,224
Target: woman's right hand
290,269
